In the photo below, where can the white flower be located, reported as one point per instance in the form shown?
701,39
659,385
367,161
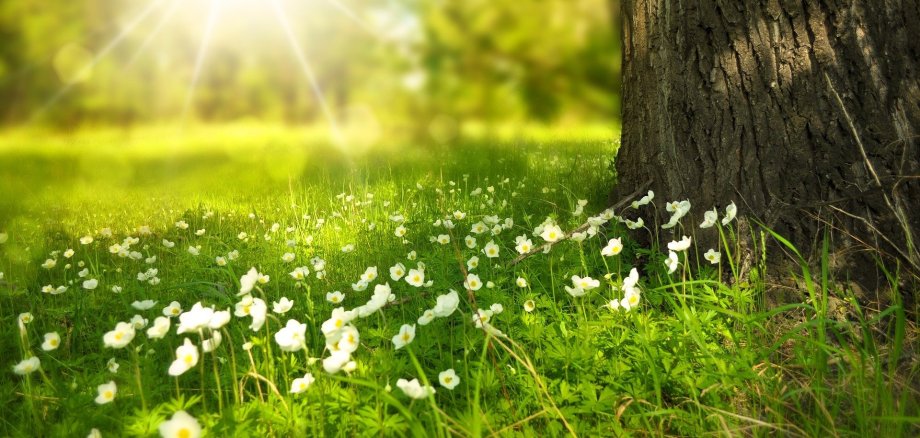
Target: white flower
630,300
405,336
671,262
195,319
159,329
138,322
219,319
448,379
94,433
194,250
459,215
300,273
282,306
496,308
679,245
90,284
472,282
86,240
336,361
521,282
491,250
397,271
730,213
551,233
288,257
248,281
629,283
524,245
529,306
472,263
400,231
27,366
49,263
470,242
182,225
144,305
586,283
575,291
52,341
443,239
112,365
713,256
678,210
292,337
106,393
446,304
347,339
186,358
120,337
426,317
414,389
709,218
168,244
301,384
479,228
644,200
173,309
181,425
613,305
416,277
69,253
614,247
639,223
335,297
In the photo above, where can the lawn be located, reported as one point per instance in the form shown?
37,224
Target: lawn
417,246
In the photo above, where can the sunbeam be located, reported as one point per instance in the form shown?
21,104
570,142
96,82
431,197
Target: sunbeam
98,57
213,12
153,34
353,17
307,71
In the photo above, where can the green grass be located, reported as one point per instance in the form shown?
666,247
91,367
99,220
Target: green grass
697,356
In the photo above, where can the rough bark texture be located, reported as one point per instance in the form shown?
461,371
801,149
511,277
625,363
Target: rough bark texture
738,101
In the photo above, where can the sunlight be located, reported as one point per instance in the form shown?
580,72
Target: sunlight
213,12
84,72
307,70
153,34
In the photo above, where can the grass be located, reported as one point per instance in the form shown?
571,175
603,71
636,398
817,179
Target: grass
700,354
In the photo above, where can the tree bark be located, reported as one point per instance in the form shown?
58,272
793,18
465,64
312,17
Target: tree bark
794,110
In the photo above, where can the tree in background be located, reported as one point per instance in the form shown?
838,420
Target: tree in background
805,114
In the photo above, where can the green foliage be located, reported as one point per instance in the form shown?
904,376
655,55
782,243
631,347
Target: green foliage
700,353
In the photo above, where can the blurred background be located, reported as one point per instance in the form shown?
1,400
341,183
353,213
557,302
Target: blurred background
367,69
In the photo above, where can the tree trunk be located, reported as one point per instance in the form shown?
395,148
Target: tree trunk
798,111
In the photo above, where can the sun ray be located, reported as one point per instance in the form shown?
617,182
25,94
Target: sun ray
153,34
99,56
353,17
307,71
213,12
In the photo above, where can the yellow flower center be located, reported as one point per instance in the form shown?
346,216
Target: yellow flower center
417,279
119,335
108,394
338,323
184,433
405,337
448,379
189,359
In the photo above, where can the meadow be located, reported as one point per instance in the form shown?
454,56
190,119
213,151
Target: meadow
245,281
